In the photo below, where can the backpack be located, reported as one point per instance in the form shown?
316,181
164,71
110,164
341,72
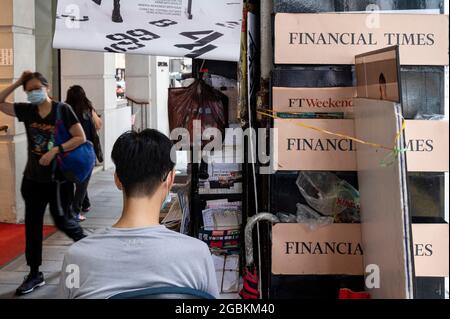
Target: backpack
75,165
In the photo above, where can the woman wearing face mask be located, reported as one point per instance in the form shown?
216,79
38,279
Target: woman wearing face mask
38,185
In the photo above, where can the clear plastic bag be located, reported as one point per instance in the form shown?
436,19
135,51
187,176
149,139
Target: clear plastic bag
287,218
429,117
307,215
330,196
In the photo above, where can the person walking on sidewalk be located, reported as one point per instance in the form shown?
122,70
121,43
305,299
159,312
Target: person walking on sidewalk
39,186
91,123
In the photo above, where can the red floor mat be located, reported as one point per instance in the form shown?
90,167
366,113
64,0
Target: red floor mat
12,241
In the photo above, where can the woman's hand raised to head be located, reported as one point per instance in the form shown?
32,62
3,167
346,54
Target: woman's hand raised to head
7,107
23,76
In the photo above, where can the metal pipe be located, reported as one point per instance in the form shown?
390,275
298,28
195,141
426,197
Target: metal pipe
266,8
266,39
249,233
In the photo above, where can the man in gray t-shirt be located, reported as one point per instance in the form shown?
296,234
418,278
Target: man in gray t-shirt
137,252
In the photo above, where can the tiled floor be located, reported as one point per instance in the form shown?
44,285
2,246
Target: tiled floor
106,203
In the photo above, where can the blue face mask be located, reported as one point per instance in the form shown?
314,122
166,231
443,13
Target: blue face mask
37,96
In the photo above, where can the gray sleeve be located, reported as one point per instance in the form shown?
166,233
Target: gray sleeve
63,291
211,284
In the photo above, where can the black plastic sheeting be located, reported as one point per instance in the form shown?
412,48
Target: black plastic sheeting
423,90
427,195
322,76
430,288
311,6
313,287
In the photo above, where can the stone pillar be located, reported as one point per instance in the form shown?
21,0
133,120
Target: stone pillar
160,85
17,23
95,72
148,79
46,56
138,86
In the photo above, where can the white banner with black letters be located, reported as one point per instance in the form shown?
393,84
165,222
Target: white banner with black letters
207,29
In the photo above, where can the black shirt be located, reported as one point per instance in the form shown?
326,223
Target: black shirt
86,123
40,134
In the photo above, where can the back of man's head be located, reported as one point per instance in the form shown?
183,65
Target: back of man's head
143,162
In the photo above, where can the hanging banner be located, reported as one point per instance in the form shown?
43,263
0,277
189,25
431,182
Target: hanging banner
304,149
337,249
180,28
314,100
323,38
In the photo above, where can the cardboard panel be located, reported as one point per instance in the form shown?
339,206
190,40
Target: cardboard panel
336,38
332,249
427,144
431,246
386,231
301,148
317,100
337,249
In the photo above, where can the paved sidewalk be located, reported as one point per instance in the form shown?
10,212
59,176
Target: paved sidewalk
106,203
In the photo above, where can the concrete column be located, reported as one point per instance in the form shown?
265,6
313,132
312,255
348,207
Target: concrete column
160,85
46,56
95,72
17,23
138,85
148,79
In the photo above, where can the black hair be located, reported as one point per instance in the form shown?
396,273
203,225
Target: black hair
32,76
382,79
77,99
143,161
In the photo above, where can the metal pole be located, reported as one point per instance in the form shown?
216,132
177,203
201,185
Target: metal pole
266,69
266,39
